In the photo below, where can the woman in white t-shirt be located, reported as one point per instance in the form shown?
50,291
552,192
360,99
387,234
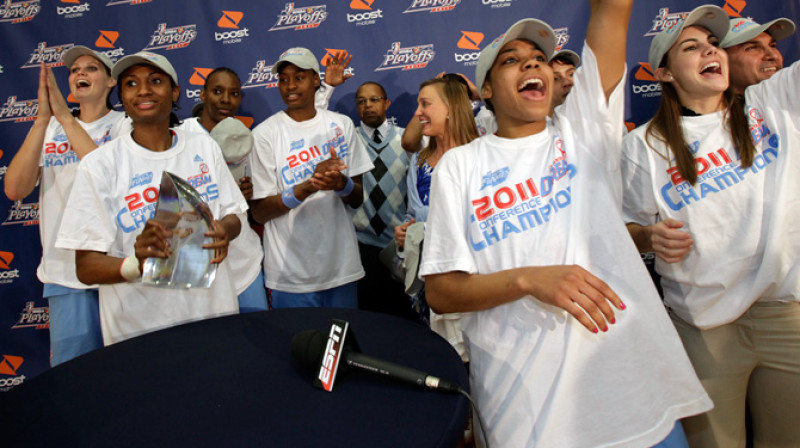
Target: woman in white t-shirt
710,186
57,141
445,115
222,96
108,219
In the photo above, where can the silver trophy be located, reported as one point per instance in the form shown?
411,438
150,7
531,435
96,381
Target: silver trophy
182,210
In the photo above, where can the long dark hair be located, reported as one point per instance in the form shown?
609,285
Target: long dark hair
667,127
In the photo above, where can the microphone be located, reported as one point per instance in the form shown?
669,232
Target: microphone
313,350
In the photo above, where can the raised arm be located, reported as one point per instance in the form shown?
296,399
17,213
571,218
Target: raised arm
606,35
23,171
79,139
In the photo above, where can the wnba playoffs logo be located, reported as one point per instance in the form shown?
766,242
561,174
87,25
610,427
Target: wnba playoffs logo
19,111
562,37
432,6
172,38
407,58
664,20
49,55
18,12
261,76
300,18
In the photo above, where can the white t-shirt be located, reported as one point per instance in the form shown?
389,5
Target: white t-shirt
314,246
115,193
539,377
59,163
244,252
744,222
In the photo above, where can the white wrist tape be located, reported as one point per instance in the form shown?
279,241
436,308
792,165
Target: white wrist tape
129,269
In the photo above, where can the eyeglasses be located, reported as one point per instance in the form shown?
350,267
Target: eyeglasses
371,100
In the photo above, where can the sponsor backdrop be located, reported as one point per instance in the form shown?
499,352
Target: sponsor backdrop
398,43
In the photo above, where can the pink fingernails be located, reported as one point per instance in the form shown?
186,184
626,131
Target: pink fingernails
622,305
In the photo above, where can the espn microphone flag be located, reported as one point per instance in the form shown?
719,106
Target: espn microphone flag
182,211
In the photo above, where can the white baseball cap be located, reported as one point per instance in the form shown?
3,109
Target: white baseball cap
145,58
711,17
299,56
79,50
744,30
569,55
534,30
236,142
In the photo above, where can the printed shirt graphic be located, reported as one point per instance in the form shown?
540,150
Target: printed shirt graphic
548,199
115,193
737,216
59,164
314,246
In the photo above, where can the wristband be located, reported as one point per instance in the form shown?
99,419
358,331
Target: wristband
348,188
289,199
129,269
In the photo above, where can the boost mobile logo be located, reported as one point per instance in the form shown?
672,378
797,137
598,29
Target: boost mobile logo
734,7
24,214
432,6
300,18
19,111
261,76
407,58
172,38
198,78
72,11
19,12
49,55
665,19
231,19
107,39
497,3
652,87
470,40
8,275
33,317
9,366
364,18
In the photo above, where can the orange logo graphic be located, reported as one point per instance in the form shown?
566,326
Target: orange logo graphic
71,99
199,76
230,19
10,364
470,40
734,7
362,4
106,39
248,121
645,73
5,259
330,54
70,1
1,153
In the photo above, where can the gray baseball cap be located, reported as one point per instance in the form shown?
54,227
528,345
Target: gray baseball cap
711,17
568,55
534,30
145,58
744,30
299,56
79,50
236,142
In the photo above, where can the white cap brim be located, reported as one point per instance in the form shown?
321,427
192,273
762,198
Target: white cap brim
710,17
79,50
145,58
745,30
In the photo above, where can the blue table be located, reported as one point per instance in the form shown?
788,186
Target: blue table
232,381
